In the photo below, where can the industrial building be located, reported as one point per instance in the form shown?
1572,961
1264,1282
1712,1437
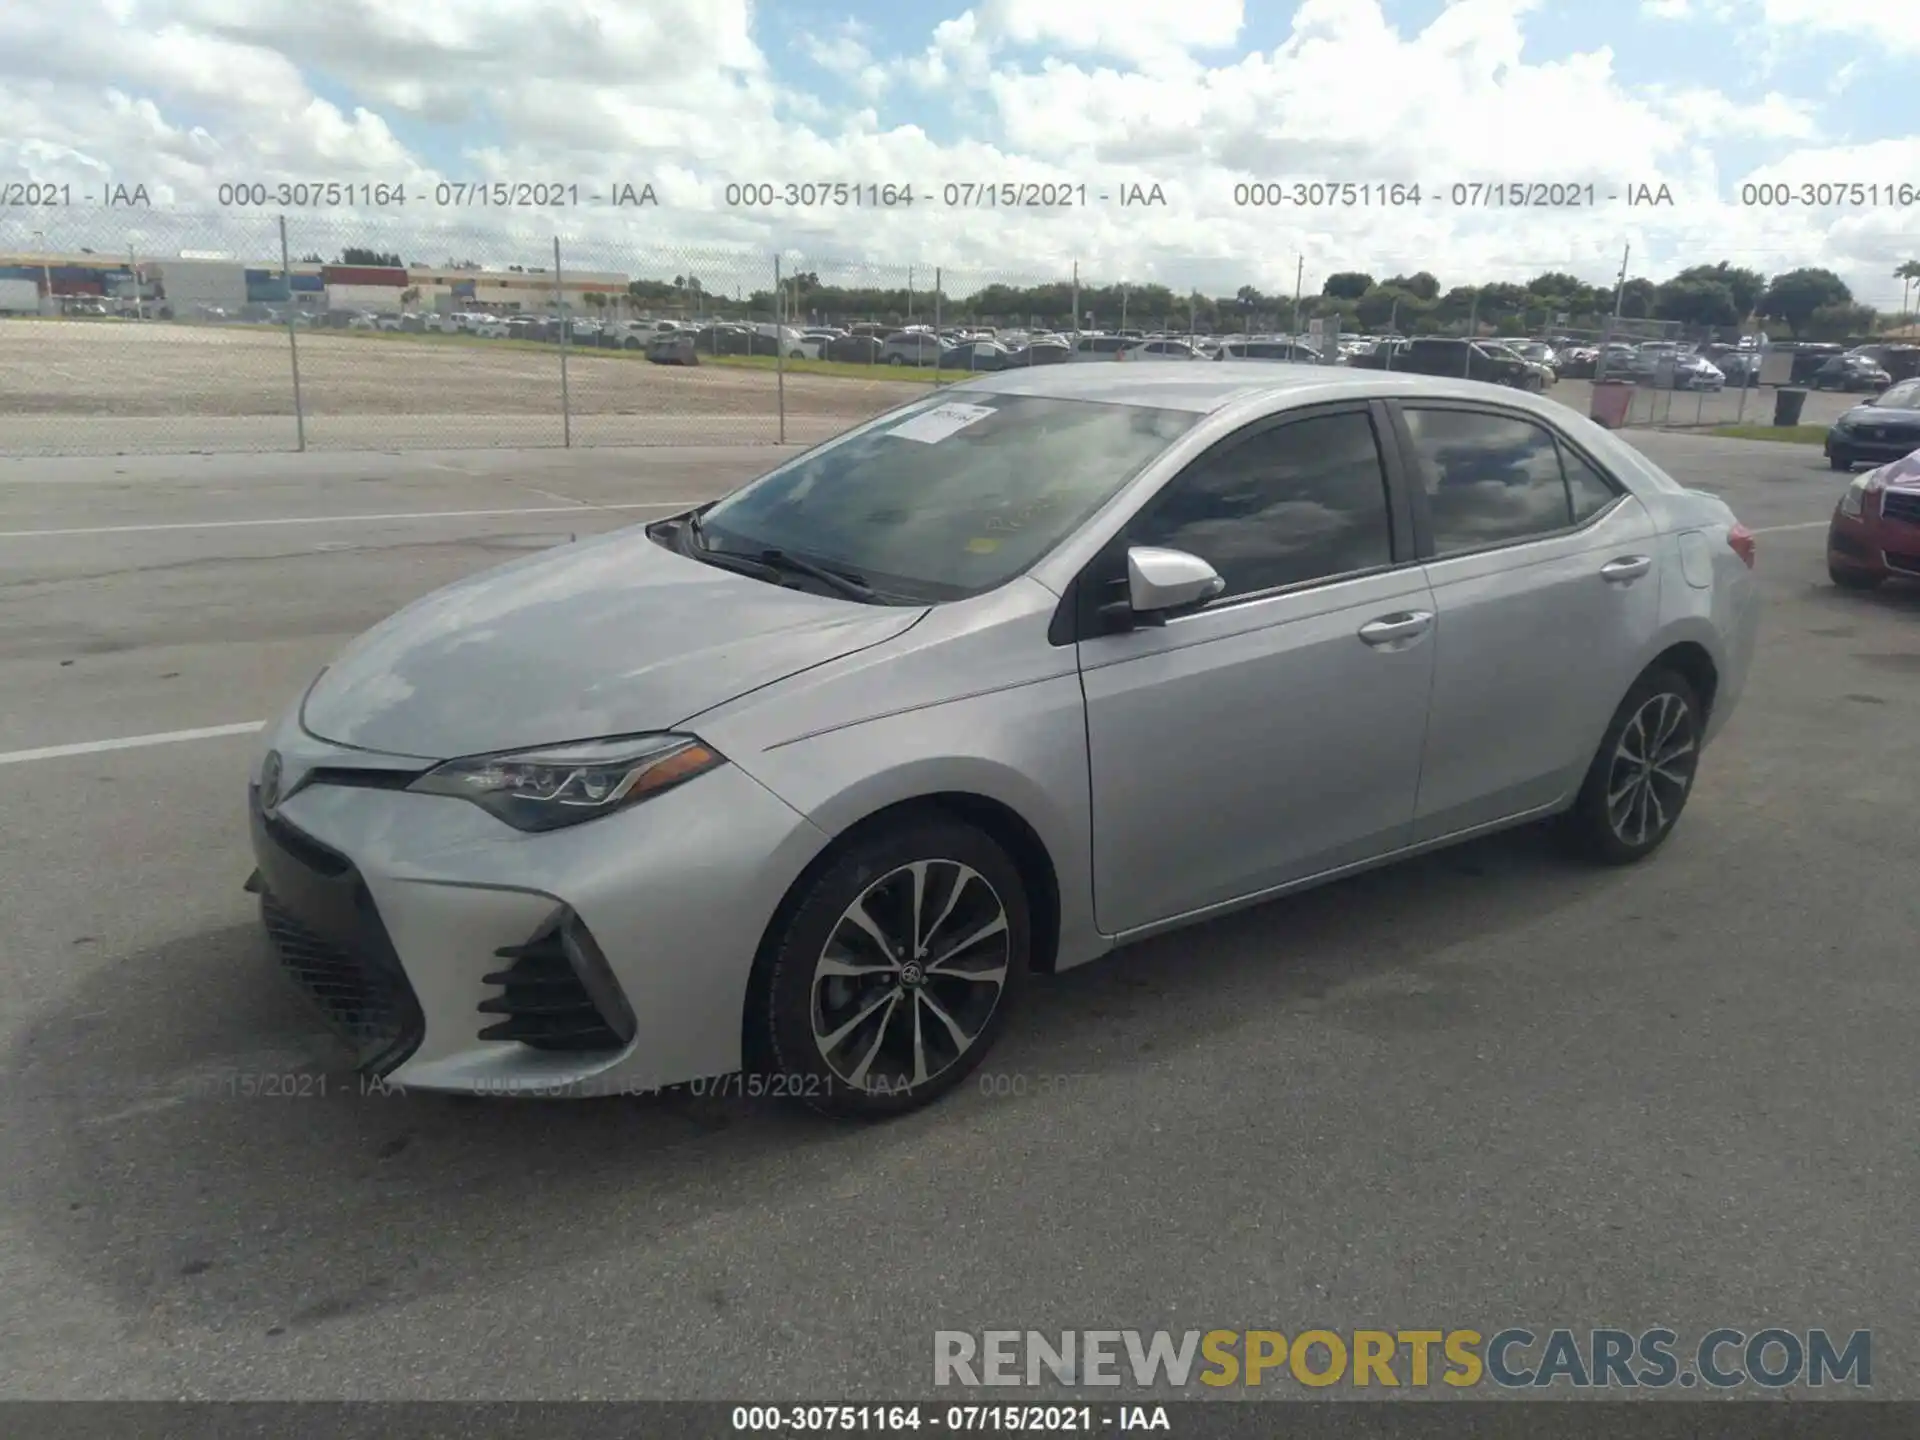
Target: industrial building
195,283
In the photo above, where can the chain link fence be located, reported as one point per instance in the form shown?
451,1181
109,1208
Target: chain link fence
142,331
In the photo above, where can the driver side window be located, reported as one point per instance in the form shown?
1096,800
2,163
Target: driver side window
1304,500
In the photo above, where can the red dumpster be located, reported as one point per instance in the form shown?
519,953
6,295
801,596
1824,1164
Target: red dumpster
1611,399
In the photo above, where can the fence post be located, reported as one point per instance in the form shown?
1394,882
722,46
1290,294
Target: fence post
566,330
779,354
293,338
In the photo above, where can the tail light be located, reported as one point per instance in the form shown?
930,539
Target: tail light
1741,539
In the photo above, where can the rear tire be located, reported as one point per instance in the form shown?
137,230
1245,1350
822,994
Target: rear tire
855,1029
1642,774
1853,579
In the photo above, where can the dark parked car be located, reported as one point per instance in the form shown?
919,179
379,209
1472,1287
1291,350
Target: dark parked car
1902,362
1040,352
853,350
1383,355
975,355
723,340
1850,372
1470,359
1884,428
1809,358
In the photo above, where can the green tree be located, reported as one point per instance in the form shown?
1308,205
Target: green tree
1347,285
360,255
1697,301
1386,304
1841,320
1744,286
1420,284
1794,296
1907,273
1637,298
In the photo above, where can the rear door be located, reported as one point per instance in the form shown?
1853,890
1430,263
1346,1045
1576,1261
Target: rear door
1546,582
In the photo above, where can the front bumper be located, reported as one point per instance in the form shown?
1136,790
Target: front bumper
1861,447
453,952
1878,545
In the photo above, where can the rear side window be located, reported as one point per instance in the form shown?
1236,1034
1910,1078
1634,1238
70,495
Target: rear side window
1490,479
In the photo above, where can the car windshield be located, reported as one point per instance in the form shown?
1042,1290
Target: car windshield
1904,396
947,498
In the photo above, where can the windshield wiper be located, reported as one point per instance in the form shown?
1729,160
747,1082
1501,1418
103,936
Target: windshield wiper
844,582
771,564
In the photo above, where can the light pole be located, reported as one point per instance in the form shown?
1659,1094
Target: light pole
46,267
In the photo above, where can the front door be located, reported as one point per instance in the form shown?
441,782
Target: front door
1276,733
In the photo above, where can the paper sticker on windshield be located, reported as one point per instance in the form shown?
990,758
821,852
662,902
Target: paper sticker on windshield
940,422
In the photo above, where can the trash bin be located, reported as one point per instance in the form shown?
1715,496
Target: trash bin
1786,406
1611,400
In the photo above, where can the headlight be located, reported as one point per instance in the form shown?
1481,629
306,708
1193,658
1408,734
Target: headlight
562,785
1855,500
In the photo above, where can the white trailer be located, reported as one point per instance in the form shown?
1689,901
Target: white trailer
19,297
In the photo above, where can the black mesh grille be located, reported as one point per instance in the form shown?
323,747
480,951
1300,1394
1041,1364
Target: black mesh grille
371,1006
1900,505
543,1001
1910,564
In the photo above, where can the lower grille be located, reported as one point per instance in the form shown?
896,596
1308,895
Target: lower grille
1900,505
558,994
371,1007
1909,564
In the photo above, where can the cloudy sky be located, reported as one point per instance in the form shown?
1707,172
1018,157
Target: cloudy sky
1194,96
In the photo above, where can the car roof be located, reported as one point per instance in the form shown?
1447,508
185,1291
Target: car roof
1175,387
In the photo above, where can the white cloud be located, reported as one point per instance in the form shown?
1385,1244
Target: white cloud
183,94
1889,28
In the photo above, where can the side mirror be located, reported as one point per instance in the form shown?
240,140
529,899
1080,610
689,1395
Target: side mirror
1164,583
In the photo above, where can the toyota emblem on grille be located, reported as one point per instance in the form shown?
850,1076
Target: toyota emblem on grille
270,781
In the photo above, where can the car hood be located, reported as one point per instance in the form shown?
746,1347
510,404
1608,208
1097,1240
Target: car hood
1901,474
612,636
1880,415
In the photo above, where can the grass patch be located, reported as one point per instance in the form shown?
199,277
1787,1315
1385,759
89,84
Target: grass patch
840,369
1785,434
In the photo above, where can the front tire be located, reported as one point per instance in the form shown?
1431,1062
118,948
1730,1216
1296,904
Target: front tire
1853,579
1840,460
895,972
1642,774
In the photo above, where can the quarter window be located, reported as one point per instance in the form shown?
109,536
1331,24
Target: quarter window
1589,490
1303,501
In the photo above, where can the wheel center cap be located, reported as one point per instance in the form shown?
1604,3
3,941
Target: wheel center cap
912,973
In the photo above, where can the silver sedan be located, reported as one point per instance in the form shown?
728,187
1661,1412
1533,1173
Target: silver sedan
802,785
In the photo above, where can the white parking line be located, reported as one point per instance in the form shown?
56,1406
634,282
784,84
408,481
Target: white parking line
345,519
130,742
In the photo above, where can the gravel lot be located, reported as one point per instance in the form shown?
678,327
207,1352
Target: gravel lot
73,387
80,387
1486,1088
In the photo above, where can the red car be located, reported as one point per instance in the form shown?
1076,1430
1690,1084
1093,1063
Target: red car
1875,533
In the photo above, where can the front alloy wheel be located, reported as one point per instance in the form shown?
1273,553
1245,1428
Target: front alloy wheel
1641,777
894,973
910,975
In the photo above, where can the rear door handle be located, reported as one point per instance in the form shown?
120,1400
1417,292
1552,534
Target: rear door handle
1397,630
1627,567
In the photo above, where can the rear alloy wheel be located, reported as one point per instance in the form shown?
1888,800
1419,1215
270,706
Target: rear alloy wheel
896,973
1643,773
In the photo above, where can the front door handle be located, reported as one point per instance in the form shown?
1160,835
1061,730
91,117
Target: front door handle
1397,630
1627,567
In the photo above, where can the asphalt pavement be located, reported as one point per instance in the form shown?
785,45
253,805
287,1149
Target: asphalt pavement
1486,1088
